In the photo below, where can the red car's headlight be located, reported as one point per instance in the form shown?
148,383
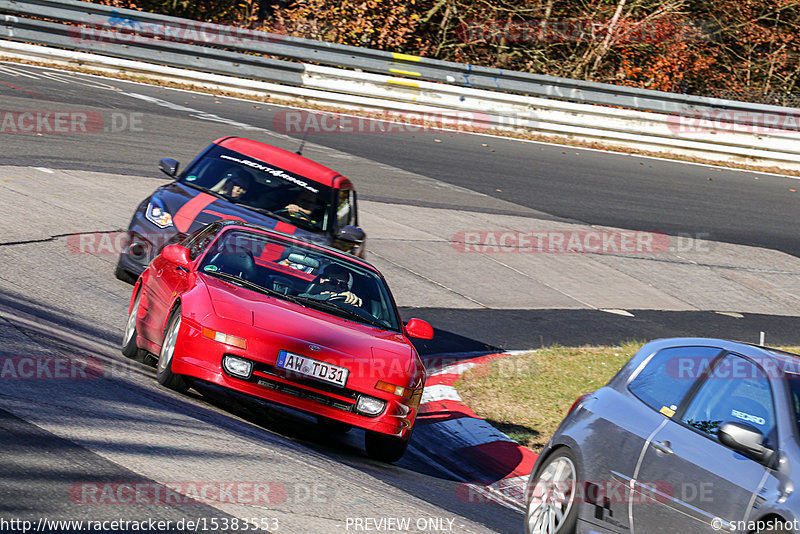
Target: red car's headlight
236,366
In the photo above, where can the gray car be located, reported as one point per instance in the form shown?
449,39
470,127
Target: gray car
691,435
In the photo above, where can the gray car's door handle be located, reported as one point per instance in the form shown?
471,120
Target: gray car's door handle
662,446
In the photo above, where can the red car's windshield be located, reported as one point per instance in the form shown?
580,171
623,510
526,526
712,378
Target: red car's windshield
303,274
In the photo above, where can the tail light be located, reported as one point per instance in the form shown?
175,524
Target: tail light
577,402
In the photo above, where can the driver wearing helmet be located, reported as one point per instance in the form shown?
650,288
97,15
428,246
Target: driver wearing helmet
335,282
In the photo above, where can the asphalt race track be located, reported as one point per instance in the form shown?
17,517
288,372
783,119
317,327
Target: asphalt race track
729,267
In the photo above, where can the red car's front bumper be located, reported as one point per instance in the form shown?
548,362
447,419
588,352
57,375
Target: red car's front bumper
200,357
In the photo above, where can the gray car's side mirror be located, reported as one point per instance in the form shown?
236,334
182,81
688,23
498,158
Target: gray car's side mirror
351,234
746,439
169,167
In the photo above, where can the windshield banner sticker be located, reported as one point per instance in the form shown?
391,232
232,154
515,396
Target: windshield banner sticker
274,172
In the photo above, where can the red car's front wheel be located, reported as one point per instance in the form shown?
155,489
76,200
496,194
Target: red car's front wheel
385,448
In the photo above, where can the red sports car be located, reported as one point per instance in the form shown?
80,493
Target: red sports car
282,319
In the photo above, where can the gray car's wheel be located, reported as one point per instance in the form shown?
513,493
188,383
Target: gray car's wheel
164,372
551,496
385,448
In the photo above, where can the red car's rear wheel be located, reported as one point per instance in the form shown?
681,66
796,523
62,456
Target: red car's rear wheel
164,372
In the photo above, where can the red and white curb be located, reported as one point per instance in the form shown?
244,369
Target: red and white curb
495,467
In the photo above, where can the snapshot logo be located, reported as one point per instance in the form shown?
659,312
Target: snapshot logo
68,122
560,241
297,121
50,368
712,121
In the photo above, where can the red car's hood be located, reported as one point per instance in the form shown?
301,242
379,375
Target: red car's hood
290,323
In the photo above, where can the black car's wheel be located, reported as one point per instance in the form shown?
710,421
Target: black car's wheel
551,496
385,448
164,372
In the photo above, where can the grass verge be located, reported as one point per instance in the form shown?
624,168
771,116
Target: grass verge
527,395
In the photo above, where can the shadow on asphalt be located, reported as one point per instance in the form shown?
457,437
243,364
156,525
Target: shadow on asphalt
42,481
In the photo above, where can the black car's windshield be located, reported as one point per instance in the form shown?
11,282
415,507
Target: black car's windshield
302,274
252,183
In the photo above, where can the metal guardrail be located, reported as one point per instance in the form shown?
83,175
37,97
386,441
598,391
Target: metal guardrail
145,24
370,79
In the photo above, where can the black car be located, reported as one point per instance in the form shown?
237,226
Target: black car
245,180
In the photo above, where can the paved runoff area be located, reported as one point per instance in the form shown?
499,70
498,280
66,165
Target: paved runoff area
458,259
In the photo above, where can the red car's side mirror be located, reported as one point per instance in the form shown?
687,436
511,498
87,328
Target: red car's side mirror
177,254
419,329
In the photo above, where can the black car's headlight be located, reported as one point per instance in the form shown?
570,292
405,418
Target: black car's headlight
157,214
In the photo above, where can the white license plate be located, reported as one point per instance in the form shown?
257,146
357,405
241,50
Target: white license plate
333,374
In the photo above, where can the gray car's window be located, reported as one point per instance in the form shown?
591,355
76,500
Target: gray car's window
736,390
669,374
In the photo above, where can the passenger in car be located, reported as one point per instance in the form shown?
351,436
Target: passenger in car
237,184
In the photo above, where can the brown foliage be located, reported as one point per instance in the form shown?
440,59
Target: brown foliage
747,49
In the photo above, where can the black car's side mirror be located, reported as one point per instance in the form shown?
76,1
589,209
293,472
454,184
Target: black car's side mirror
746,439
169,166
351,234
